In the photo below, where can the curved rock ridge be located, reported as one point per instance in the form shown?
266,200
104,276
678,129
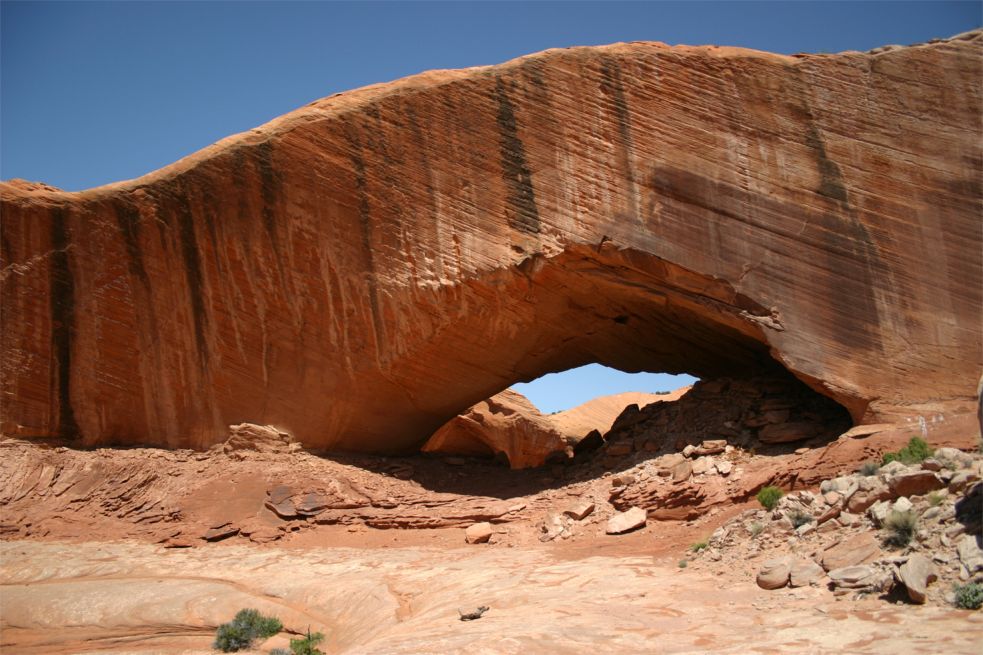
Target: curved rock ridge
361,270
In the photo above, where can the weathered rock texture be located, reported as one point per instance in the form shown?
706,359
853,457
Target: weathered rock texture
361,270
505,425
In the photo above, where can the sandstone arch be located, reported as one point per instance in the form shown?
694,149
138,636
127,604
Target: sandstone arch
365,267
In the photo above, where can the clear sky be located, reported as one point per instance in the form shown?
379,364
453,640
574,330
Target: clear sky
92,93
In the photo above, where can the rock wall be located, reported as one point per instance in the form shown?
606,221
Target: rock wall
363,269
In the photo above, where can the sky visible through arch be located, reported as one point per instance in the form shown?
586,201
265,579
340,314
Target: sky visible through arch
97,92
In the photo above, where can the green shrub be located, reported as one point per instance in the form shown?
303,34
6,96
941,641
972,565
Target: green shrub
901,527
698,546
969,596
869,468
769,497
935,499
307,645
916,451
247,626
683,563
279,651
756,529
800,518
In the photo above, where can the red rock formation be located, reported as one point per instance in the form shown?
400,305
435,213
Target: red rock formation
505,424
599,413
359,271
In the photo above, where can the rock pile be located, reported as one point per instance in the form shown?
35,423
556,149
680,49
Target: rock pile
753,413
846,535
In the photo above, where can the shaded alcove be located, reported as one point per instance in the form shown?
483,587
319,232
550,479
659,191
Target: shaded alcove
613,306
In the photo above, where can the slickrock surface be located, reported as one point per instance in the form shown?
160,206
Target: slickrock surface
359,271
142,600
599,413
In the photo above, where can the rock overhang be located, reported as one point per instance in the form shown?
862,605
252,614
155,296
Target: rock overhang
365,268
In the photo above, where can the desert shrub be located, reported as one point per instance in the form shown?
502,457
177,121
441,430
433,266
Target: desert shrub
756,529
698,546
868,469
901,527
916,451
935,499
969,596
279,651
769,497
800,518
683,564
307,645
247,626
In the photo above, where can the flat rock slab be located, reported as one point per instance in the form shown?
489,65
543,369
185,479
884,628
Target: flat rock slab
580,511
916,574
858,549
627,521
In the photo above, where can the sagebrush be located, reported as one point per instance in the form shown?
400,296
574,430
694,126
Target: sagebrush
916,451
969,596
901,528
247,626
769,497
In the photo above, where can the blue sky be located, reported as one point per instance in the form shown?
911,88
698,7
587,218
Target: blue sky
92,93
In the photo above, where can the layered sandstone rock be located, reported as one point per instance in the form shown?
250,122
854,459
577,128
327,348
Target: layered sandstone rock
506,425
363,269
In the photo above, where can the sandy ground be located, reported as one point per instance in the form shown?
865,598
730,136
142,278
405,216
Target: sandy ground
129,597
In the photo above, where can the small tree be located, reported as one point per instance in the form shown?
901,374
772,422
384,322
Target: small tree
307,645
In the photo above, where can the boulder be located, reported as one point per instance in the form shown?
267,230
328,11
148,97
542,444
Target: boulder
916,574
805,572
902,505
702,465
854,577
878,512
591,442
724,467
711,447
506,423
478,533
858,549
580,511
773,574
914,483
682,471
627,521
970,553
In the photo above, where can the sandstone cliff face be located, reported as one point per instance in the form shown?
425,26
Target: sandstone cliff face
361,270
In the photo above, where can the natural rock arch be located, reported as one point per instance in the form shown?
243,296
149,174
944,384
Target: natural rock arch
362,269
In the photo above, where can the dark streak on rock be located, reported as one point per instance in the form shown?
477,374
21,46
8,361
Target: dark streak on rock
128,220
523,213
830,177
365,228
192,267
62,303
614,89
269,186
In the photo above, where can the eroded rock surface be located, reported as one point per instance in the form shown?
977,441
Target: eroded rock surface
363,269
